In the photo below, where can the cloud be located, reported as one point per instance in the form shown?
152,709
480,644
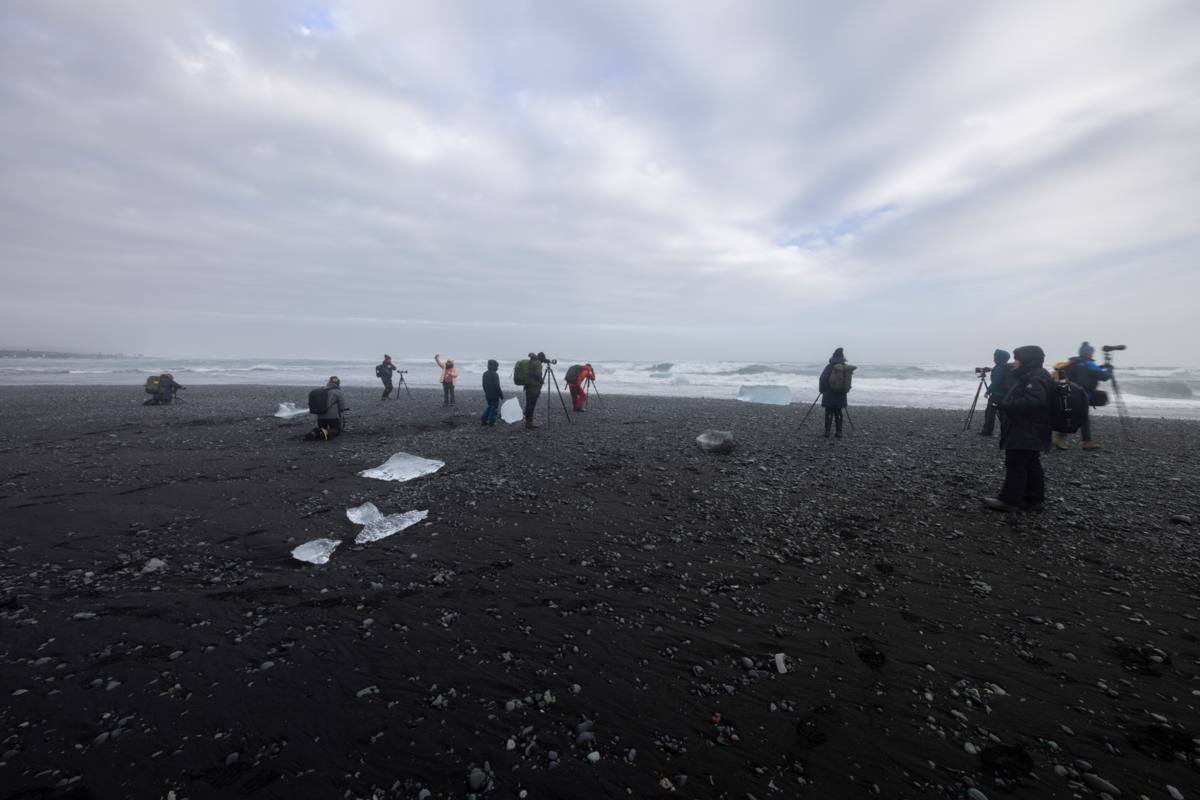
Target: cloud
682,179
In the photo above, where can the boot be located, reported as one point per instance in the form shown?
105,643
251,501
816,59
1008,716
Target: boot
529,423
1060,443
996,504
1091,445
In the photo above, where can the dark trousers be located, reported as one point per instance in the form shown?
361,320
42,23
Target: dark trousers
387,389
1024,481
447,394
578,396
332,428
990,414
531,397
489,413
833,415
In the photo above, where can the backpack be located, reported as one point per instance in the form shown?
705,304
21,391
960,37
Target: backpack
839,378
318,401
521,372
573,373
153,383
379,370
1068,406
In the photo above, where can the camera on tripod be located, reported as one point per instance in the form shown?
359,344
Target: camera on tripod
402,371
545,360
981,371
1110,348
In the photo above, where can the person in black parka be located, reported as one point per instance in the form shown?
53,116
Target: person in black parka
492,393
1025,432
832,402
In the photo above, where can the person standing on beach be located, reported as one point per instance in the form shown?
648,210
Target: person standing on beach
384,372
491,392
996,391
329,421
577,377
1083,370
1025,433
834,391
533,385
447,379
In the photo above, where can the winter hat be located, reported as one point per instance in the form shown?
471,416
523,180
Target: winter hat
334,381
1030,356
1086,350
1000,356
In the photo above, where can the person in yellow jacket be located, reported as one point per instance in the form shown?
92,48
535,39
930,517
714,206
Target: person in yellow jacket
448,377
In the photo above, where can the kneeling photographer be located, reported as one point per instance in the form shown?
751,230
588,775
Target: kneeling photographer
1083,370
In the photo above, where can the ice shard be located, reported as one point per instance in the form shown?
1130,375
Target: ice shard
289,410
770,395
317,551
403,467
711,441
385,526
511,411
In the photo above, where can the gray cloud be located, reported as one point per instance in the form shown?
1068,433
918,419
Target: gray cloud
750,180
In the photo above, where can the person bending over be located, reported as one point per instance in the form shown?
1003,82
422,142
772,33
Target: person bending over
491,392
577,377
1025,433
1083,370
165,395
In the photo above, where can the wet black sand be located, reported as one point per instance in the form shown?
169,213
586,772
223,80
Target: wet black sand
602,578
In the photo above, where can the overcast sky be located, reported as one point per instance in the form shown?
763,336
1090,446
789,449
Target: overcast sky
738,180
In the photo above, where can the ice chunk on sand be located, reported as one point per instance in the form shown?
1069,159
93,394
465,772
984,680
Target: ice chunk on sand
711,441
511,411
377,525
317,551
770,395
289,410
403,467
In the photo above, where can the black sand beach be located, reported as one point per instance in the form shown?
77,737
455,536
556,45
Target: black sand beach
600,587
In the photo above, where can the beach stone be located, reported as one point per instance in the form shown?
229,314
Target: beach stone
1100,785
714,441
1175,793
154,565
975,794
477,779
1181,519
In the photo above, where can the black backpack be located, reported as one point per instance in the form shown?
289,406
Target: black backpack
573,373
1068,406
379,370
318,401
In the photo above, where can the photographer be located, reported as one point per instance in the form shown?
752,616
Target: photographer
996,391
164,395
329,420
533,385
1025,433
1083,370
384,372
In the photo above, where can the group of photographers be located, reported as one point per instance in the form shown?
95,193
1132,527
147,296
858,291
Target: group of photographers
1019,396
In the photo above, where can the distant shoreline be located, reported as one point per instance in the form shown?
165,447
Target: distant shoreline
60,354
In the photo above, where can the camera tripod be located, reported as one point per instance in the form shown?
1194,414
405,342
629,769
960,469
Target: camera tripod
845,410
403,383
971,414
589,386
550,371
1119,401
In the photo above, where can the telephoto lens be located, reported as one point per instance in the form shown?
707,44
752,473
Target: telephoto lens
1108,348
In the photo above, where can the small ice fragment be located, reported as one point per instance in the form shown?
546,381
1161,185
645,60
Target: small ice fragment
711,441
780,664
364,514
317,551
770,395
403,467
386,526
289,410
511,411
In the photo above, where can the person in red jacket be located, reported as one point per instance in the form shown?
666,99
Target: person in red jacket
577,377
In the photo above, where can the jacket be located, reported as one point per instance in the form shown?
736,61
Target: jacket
337,403
533,376
449,374
167,387
1027,404
1087,373
831,399
385,371
999,384
491,382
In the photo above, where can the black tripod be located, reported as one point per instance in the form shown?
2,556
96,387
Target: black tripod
554,378
971,414
403,383
809,412
589,386
1119,401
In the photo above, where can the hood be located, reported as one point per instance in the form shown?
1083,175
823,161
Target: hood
1030,356
1000,357
838,357
493,365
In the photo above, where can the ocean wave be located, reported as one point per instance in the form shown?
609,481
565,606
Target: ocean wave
1167,390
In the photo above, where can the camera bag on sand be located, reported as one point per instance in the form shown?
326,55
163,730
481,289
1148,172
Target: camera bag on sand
1068,406
1099,398
318,401
521,372
153,383
840,377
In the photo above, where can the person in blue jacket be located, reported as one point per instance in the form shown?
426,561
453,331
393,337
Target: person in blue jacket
996,391
1084,370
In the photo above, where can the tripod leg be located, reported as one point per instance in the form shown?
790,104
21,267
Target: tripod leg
1121,414
975,402
807,413
554,378
846,411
